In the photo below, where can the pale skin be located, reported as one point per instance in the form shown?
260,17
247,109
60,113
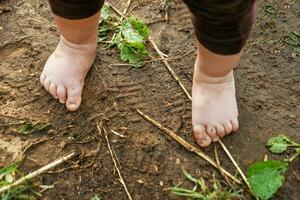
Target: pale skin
214,107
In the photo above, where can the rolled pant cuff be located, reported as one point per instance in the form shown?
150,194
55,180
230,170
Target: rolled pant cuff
75,9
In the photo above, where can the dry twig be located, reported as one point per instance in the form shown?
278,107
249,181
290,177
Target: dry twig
235,164
169,67
186,145
114,159
37,172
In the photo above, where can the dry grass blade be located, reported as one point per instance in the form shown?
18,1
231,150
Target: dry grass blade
169,67
235,163
37,172
114,159
187,145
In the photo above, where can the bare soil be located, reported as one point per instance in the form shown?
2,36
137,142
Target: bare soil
268,90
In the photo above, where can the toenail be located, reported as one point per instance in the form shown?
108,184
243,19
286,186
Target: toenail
72,106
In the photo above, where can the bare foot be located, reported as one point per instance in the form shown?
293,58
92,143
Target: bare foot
64,72
214,107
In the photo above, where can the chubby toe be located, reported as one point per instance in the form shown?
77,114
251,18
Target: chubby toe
220,130
61,93
52,89
212,132
228,127
73,98
200,135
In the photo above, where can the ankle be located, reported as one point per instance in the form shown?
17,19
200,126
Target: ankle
88,49
200,77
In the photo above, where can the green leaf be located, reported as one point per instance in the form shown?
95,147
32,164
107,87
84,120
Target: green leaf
266,177
133,52
129,33
103,29
105,12
8,169
189,176
29,127
187,193
140,27
278,144
130,41
95,198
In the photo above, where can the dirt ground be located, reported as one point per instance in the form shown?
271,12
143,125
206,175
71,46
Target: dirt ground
268,90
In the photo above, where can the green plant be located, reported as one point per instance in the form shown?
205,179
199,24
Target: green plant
108,23
130,41
266,177
129,36
8,175
280,143
30,127
201,191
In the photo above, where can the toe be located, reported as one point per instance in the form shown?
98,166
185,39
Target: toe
212,132
235,125
73,98
200,135
47,83
228,127
220,130
62,94
52,89
42,78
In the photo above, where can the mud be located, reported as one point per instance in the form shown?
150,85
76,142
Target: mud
268,90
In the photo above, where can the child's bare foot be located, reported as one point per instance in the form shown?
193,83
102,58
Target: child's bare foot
65,70
214,107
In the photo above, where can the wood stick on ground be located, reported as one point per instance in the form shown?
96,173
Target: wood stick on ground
235,163
37,172
186,145
169,67
219,166
117,11
114,159
125,10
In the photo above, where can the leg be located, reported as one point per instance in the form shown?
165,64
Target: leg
64,72
222,28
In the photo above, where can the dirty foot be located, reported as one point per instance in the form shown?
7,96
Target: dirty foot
214,107
64,72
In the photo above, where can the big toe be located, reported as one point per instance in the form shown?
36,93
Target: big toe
73,98
200,135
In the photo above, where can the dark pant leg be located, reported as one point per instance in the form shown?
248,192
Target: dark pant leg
75,9
222,26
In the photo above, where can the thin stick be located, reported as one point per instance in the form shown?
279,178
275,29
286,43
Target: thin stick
114,157
186,145
116,10
125,10
219,166
234,162
37,172
169,67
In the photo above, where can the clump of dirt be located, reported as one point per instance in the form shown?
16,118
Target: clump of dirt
268,87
